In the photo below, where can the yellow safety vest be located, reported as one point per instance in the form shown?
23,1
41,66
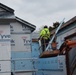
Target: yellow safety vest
45,33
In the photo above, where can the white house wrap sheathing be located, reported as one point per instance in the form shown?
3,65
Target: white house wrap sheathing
5,50
21,42
20,37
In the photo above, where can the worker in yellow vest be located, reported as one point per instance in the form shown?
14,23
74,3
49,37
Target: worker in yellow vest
44,37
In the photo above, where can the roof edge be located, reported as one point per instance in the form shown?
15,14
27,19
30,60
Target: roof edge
68,22
6,8
25,22
65,24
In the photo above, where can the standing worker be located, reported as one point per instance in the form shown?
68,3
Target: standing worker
44,37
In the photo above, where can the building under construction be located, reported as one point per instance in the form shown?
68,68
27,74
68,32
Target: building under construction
20,53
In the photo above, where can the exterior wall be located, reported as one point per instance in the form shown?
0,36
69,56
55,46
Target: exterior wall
47,66
20,38
17,27
17,53
67,31
35,50
60,39
22,62
5,50
21,42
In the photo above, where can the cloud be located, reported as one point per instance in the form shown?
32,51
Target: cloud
41,12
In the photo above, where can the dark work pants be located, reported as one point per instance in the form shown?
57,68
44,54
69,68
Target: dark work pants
44,43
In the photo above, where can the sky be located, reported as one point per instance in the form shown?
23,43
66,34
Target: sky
42,12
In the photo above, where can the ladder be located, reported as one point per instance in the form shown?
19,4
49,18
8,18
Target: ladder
54,35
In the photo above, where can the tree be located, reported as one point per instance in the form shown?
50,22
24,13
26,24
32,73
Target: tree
56,24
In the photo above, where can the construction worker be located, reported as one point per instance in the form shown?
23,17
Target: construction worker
44,37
